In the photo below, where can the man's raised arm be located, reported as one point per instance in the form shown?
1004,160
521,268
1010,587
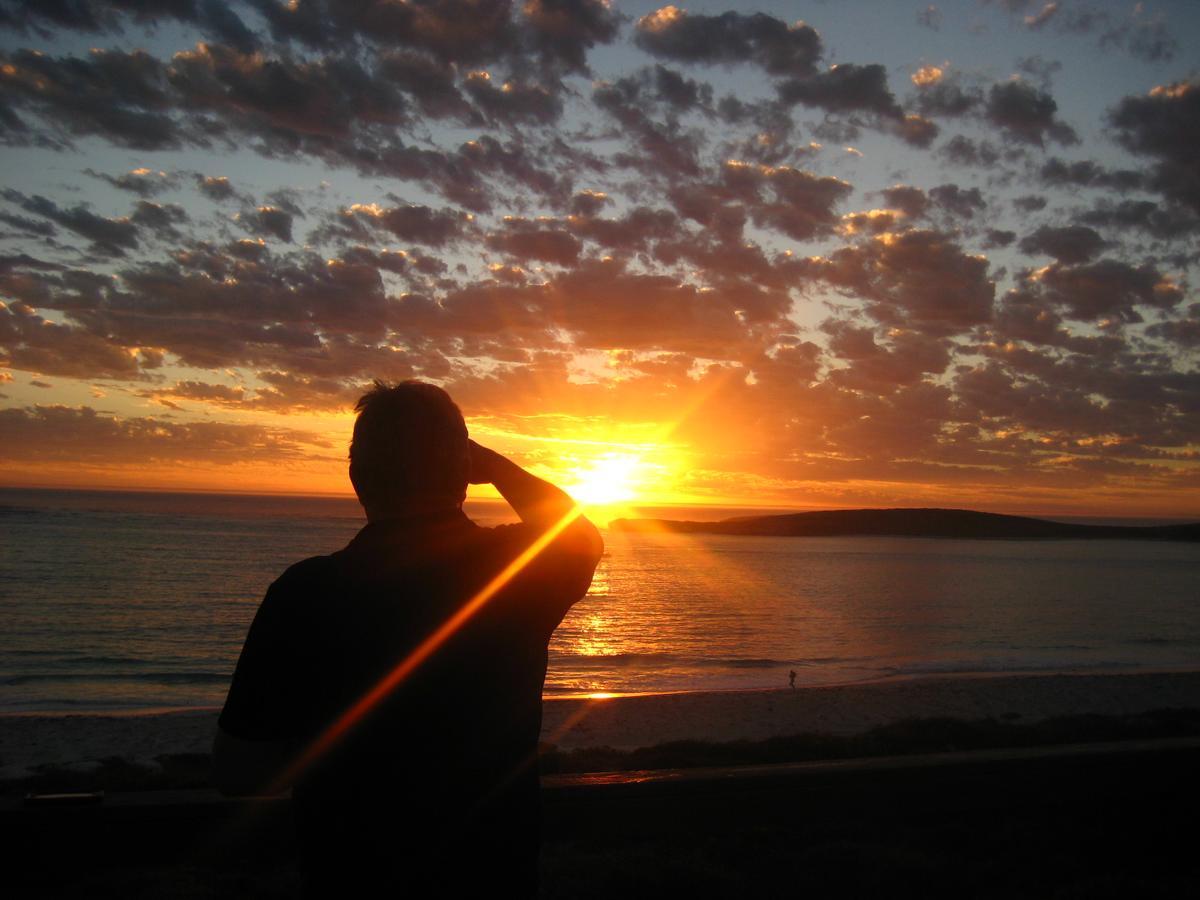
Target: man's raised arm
539,503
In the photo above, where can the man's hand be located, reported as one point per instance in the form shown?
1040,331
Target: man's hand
537,502
484,463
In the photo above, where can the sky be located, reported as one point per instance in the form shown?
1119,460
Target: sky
802,255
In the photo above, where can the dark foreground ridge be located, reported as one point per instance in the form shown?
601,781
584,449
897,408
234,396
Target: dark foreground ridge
930,523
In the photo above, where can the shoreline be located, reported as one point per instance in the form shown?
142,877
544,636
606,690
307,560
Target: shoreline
79,741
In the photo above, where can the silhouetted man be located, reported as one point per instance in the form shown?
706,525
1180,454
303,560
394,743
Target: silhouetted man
431,787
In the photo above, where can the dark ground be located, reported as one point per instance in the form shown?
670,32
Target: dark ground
1095,821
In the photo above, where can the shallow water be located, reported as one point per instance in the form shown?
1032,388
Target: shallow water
127,601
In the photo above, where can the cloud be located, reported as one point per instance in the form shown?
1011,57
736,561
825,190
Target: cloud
1166,223
912,201
109,236
527,240
1069,244
939,94
1088,173
904,359
960,202
844,88
1184,332
1165,126
141,181
756,39
122,97
1104,289
35,344
411,222
1148,39
215,187
1026,113
918,279
268,222
512,102
83,434
963,151
159,219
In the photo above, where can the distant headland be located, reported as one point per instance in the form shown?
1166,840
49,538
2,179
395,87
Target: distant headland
928,523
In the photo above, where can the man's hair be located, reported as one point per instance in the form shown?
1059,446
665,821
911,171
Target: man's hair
410,442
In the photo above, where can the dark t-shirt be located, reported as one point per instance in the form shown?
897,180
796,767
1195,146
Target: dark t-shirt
436,787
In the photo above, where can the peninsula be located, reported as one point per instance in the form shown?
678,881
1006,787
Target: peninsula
929,523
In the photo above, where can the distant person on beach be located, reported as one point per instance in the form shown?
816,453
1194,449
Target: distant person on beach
428,786
792,679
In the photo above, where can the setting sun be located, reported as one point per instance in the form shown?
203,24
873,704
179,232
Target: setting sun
611,478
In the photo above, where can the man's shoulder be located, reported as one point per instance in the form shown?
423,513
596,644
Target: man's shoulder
572,548
304,575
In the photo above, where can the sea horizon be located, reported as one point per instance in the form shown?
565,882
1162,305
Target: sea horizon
710,508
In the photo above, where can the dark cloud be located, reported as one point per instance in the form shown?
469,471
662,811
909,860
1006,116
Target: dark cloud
663,146
758,39
791,201
634,231
109,237
35,344
919,279
214,18
122,97
844,88
963,151
556,33
268,221
947,96
998,237
904,359
912,201
84,435
528,240
215,187
159,219
1167,223
1184,332
143,182
429,82
512,102
1030,203
1087,173
1068,244
413,222
28,226
913,129
562,31
1026,113
283,98
679,92
960,202
1165,125
1105,289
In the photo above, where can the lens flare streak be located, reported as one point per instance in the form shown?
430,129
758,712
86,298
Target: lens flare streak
335,732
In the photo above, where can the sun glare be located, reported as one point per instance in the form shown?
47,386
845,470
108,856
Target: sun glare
607,480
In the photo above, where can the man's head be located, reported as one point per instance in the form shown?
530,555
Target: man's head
409,449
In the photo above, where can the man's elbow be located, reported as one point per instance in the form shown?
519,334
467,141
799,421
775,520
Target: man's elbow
591,544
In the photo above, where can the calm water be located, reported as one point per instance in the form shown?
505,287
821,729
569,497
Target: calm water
122,601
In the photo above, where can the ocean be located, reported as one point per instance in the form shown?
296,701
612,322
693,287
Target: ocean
140,601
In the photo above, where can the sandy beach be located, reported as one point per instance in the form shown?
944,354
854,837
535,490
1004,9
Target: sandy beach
81,741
